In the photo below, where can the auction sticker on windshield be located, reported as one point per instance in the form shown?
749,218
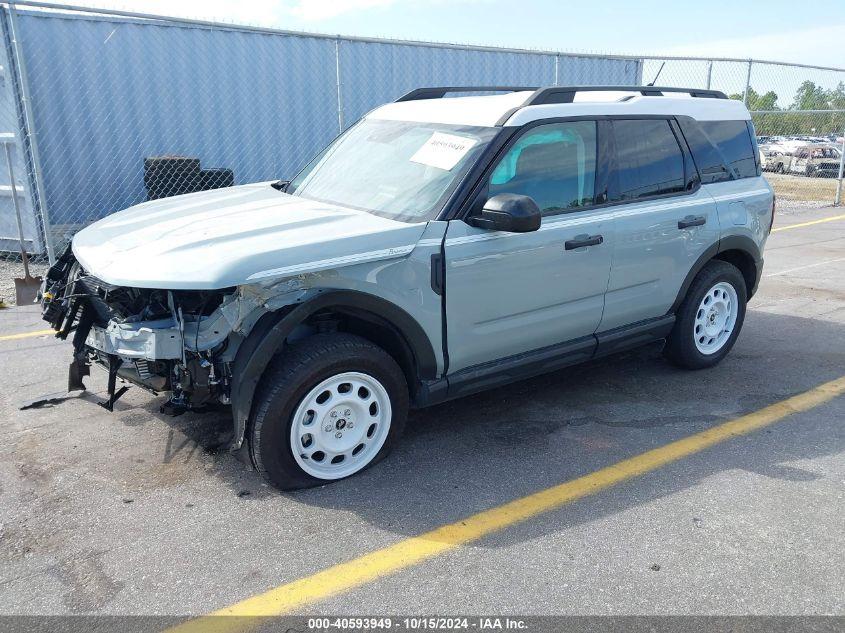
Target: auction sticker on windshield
443,151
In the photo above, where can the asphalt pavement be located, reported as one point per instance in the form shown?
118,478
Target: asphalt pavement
135,512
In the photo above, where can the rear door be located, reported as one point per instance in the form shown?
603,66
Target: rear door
663,220
511,293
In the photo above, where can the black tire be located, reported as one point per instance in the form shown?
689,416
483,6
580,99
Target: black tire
289,378
681,347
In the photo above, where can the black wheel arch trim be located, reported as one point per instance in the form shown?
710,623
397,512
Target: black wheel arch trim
271,330
730,243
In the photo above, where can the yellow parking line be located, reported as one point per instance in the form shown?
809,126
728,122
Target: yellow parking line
810,223
12,337
415,550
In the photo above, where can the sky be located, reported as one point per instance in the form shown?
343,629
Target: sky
771,29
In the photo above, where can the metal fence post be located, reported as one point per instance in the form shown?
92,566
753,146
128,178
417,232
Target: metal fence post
338,84
709,72
29,143
747,84
838,199
557,70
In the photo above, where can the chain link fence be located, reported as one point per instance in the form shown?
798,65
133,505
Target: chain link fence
798,113
107,109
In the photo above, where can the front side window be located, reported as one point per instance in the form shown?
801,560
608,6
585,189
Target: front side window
554,164
649,161
396,169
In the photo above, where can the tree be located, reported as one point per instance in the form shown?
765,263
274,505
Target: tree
791,121
757,101
809,96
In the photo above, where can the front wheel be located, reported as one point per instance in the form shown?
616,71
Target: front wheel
328,407
710,317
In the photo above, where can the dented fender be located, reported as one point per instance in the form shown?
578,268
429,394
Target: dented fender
271,330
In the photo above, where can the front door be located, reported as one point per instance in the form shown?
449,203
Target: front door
512,293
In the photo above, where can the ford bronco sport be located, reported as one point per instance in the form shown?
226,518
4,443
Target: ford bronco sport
438,247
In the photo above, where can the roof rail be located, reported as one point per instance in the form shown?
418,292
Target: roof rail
442,91
557,94
566,94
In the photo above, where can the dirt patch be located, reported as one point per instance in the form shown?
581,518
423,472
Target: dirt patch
803,189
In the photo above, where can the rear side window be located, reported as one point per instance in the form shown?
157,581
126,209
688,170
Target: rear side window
708,158
649,161
734,141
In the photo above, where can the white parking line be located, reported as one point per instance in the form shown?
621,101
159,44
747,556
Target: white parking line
792,270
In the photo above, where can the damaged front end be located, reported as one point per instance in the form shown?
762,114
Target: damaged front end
176,341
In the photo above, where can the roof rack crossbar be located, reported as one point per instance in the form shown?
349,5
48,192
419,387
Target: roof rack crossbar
441,91
566,94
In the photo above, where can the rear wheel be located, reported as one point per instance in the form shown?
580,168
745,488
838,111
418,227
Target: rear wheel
710,317
328,407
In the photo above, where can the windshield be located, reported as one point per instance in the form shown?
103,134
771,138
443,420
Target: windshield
396,169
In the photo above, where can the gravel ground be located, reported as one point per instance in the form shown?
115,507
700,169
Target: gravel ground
801,191
9,270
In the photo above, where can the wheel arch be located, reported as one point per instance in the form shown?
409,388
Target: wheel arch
744,261
739,250
368,316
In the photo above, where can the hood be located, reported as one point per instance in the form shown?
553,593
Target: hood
228,237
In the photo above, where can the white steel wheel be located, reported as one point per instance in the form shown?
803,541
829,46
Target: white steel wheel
340,425
716,317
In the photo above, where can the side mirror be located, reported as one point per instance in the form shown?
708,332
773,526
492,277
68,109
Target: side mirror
508,212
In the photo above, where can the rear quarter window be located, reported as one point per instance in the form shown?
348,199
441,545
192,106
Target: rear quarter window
722,150
734,141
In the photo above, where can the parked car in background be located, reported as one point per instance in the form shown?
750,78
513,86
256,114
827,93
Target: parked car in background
774,160
815,160
785,145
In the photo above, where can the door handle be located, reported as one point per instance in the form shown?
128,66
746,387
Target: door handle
691,220
591,240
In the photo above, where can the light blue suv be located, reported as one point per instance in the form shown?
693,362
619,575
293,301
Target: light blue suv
439,247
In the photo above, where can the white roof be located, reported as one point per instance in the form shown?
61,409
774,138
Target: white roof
481,111
487,111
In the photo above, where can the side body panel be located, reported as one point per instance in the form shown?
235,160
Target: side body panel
652,255
509,293
405,282
744,207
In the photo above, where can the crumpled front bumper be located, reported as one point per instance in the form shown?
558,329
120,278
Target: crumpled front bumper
150,340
